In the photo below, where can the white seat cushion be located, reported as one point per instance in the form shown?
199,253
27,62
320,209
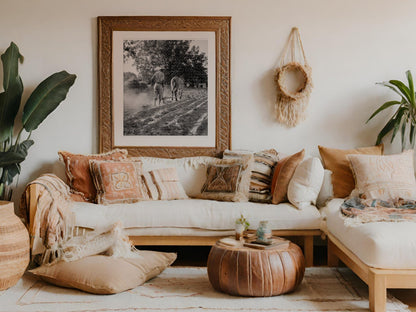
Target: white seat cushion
384,245
195,213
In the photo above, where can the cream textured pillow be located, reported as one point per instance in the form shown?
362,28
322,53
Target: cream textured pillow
306,183
106,275
384,177
228,179
164,184
327,191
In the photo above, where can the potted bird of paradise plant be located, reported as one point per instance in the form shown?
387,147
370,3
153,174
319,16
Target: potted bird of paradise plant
15,136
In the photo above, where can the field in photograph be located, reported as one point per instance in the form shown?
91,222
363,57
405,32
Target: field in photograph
187,116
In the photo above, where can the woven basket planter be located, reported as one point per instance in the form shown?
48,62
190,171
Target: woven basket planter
14,246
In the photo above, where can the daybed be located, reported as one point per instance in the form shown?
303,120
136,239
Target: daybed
382,254
190,221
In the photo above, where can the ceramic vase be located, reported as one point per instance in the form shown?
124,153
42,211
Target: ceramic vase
14,246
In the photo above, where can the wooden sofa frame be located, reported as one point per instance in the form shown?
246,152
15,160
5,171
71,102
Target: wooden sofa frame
378,280
306,236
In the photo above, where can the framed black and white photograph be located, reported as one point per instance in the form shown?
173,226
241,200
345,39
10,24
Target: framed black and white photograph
164,85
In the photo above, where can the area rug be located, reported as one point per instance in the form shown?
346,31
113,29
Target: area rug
188,289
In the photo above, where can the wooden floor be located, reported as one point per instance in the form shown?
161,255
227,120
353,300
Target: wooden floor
198,255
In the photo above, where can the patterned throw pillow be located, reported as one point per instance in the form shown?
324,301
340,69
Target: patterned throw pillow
228,179
283,173
118,181
164,184
261,173
384,177
336,161
77,169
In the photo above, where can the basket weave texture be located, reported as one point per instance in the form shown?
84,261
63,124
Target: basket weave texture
14,246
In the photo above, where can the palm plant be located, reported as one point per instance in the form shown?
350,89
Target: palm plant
41,102
404,118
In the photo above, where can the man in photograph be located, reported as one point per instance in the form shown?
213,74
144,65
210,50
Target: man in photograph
158,80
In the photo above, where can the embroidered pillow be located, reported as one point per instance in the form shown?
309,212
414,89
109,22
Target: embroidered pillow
261,173
118,181
384,177
336,161
164,184
228,179
77,169
282,174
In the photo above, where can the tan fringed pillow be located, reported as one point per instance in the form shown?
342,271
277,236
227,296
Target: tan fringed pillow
283,172
77,169
105,275
336,161
118,181
164,184
384,177
228,179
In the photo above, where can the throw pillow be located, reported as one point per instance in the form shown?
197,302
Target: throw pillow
261,173
306,183
118,181
283,172
77,169
384,177
106,275
336,161
327,192
228,179
164,184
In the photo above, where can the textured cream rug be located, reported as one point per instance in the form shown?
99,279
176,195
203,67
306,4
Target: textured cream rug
188,289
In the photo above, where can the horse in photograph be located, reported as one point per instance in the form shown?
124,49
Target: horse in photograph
176,87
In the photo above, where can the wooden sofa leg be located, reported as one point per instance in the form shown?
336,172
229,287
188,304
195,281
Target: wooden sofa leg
377,292
308,250
333,260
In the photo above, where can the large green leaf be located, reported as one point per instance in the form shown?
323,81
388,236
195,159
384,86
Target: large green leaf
9,172
10,60
383,107
387,128
13,89
45,98
398,120
16,154
412,135
411,88
403,89
403,134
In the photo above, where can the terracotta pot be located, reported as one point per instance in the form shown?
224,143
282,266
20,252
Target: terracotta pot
14,246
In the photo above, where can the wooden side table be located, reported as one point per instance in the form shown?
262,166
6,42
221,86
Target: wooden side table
245,271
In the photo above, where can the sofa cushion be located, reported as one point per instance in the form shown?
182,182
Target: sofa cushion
385,245
195,213
384,177
282,175
191,170
77,169
306,183
228,179
168,184
118,181
336,161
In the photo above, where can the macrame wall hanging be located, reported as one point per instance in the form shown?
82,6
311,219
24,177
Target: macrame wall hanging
293,81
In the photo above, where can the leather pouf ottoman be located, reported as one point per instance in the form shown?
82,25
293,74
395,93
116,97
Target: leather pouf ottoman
245,271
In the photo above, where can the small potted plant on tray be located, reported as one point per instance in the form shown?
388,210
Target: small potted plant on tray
241,225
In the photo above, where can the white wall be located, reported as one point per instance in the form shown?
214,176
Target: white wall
350,45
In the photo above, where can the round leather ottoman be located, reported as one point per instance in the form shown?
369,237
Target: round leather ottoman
246,271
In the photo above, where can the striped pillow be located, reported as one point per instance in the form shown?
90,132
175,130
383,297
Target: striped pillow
164,184
261,173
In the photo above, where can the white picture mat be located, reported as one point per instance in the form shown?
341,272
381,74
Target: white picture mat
118,90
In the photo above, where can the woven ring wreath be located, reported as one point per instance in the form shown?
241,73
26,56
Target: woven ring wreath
304,83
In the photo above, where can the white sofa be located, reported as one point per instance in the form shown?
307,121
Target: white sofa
194,221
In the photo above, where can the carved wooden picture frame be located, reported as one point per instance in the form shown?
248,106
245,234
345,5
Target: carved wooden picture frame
142,107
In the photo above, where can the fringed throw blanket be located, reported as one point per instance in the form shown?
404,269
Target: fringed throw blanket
50,221
359,210
51,227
